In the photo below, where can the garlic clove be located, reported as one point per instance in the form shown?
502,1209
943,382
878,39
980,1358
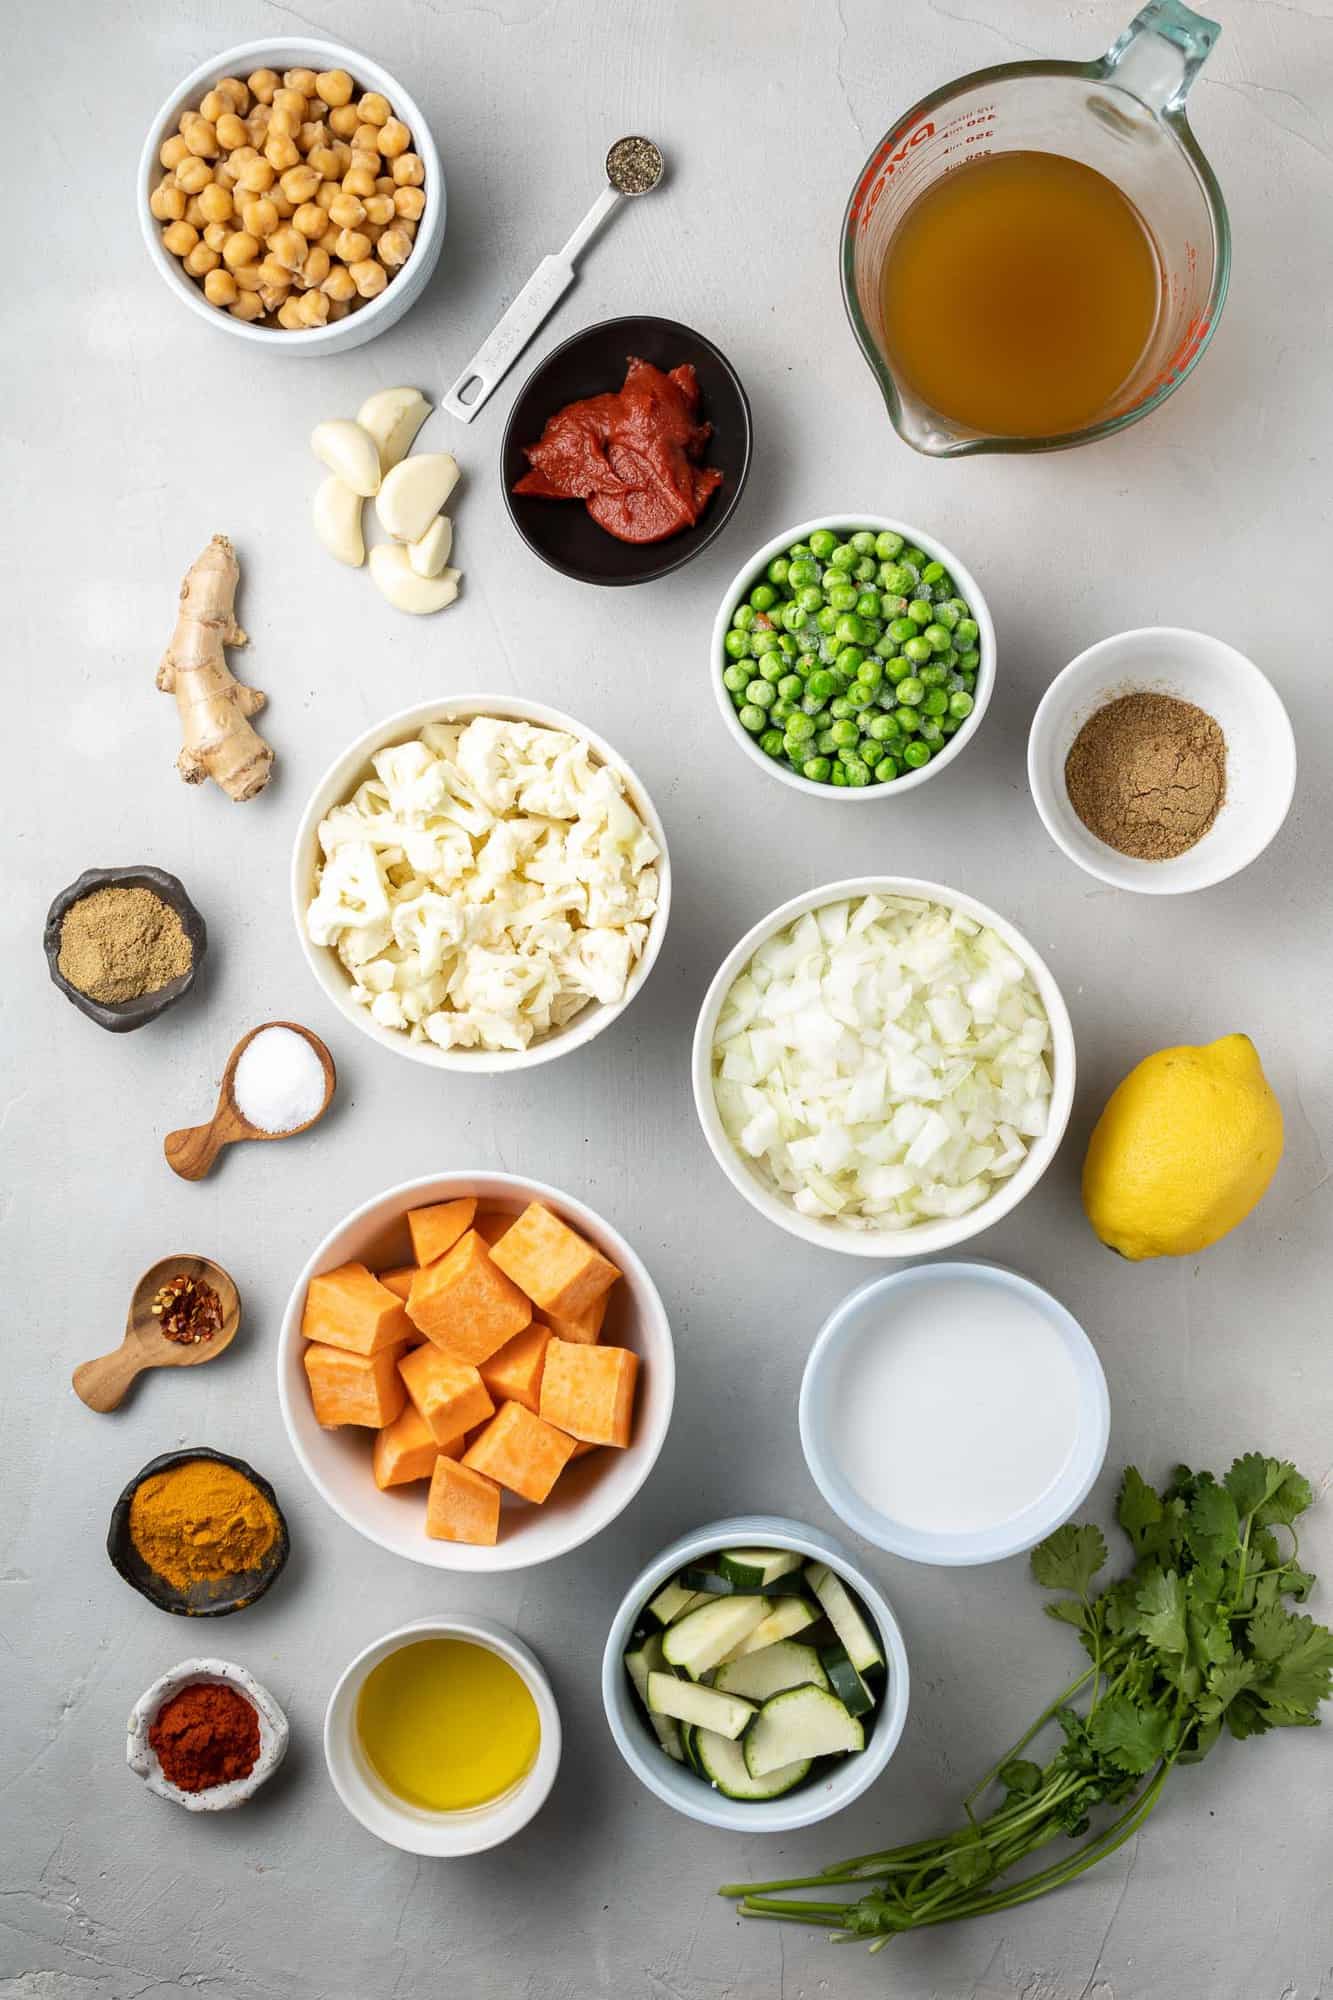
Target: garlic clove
404,588
430,553
350,453
337,518
393,417
413,493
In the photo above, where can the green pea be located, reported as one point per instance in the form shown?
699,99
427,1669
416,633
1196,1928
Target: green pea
787,644
822,543
961,705
871,673
947,614
900,630
843,556
865,569
773,667
919,611
764,640
850,629
968,662
911,691
950,725
753,718
793,617
930,732
917,557
810,597
807,639
782,711
771,742
844,733
934,572
936,702
859,696
933,676
907,720
884,728
891,606
743,616
817,769
840,708
867,604
839,774
762,598
966,633
777,570
865,718
816,710
886,647
842,596
850,659
858,773
897,668
801,571
798,550
763,694
911,577
826,743
736,645
864,542
885,771
948,660
937,637
917,651
735,678
822,685
826,619
915,755
888,545
895,579
791,687
800,728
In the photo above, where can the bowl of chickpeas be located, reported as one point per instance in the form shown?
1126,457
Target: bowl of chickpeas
290,192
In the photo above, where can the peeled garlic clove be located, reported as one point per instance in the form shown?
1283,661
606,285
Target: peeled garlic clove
393,417
337,517
350,453
413,493
429,555
400,583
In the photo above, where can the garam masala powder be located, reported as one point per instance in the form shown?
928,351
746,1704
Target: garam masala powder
1147,774
118,943
201,1522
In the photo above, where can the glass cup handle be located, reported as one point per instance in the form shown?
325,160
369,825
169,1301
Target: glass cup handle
1161,52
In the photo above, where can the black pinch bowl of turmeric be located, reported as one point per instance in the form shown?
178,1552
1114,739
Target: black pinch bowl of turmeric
209,1596
119,1017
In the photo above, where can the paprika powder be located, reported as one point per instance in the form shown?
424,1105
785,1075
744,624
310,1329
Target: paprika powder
206,1735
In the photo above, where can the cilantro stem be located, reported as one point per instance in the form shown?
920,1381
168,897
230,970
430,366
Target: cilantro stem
1047,1714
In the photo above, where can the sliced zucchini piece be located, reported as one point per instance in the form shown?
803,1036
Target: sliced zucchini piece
688,1743
714,1584
789,1616
854,1633
722,1762
640,1661
755,1676
801,1722
705,1707
699,1639
756,1569
843,1678
669,1602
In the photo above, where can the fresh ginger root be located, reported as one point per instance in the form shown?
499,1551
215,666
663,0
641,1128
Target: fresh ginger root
215,708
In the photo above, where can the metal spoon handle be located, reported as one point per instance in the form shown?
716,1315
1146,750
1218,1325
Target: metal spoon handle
543,291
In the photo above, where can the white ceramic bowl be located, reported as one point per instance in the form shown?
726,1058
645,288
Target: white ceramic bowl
753,572
924,1238
402,291
1261,752
860,1320
413,1828
590,1492
143,1759
680,1787
341,780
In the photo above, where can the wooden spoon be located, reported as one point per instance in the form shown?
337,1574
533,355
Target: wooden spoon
192,1150
102,1384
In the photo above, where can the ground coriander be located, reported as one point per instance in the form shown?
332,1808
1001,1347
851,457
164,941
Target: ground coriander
1147,774
118,943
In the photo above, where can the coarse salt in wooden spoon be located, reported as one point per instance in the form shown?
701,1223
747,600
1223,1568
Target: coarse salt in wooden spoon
279,1079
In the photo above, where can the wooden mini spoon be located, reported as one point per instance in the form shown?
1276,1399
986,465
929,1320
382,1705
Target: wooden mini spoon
102,1384
192,1150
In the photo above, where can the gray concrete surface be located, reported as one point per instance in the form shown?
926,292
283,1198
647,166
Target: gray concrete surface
132,434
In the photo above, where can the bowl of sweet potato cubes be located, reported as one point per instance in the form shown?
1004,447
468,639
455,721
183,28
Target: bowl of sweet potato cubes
476,1371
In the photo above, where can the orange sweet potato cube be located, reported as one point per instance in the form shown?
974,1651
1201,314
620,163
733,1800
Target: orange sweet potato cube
399,1280
436,1229
557,1268
463,1506
520,1452
447,1393
350,1308
582,1328
514,1372
404,1450
492,1223
589,1391
465,1304
348,1388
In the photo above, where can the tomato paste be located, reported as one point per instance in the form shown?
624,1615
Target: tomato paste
633,456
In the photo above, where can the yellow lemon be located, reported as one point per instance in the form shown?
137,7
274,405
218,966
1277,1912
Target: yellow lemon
1183,1151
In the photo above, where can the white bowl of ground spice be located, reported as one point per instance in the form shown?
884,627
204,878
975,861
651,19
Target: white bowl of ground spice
1161,761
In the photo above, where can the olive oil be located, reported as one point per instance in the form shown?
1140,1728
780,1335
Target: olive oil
447,1724
1020,293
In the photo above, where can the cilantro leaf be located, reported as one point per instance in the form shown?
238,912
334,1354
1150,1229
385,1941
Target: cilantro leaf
1020,1777
1303,1676
1224,1684
1138,1508
1291,1499
1130,1736
1069,1559
1161,1608
1070,1611
1252,1480
1214,1529
1273,1631
970,1865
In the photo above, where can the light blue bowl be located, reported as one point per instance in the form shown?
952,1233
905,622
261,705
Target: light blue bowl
861,1317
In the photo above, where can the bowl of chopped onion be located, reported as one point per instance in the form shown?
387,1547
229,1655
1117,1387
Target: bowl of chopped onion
884,1067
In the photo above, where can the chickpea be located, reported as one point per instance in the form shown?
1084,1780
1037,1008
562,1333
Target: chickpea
313,309
194,215
282,125
285,206
276,284
340,285
201,139
347,211
394,248
263,83
257,124
299,183
410,204
289,247
215,235
318,264
326,194
374,109
394,139
369,278
201,261
236,94
385,184
289,315
247,277
256,177
358,181
408,228
180,238
313,133
216,203
240,248
241,157
172,151
310,219
324,161
260,217
343,153
221,289
328,242
353,247
167,202
378,209
249,306
303,80
293,101
193,175
212,105
281,153
343,120
408,170
232,131
339,310
335,86
224,174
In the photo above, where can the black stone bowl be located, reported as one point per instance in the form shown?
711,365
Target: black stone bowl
120,1016
563,532
201,1600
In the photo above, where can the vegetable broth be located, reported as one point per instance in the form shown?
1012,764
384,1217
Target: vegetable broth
446,1724
1020,293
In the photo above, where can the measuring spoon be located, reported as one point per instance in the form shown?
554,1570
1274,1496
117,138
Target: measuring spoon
634,166
192,1150
102,1384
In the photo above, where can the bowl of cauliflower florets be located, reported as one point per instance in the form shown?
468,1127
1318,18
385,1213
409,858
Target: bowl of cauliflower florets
480,883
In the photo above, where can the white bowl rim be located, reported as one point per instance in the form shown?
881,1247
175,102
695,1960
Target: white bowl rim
309,340
799,1808
496,1821
322,960
745,580
923,1238
1166,878
1025,1530
504,1555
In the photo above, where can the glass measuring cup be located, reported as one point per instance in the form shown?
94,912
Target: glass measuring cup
1123,115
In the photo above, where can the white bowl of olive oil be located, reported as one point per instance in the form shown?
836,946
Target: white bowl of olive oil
443,1737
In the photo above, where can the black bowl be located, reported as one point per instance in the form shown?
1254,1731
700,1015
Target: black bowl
201,1600
563,532
120,1016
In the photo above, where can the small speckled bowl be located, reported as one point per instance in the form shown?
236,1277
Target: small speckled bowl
123,1015
142,1758
201,1600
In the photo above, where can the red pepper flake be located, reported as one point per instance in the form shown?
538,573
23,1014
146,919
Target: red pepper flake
189,1310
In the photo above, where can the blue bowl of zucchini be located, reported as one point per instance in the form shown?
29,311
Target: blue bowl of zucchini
754,1678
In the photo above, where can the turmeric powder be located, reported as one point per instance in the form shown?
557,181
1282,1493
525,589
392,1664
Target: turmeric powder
201,1522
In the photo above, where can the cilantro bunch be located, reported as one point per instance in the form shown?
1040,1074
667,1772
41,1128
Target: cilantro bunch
1197,1638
